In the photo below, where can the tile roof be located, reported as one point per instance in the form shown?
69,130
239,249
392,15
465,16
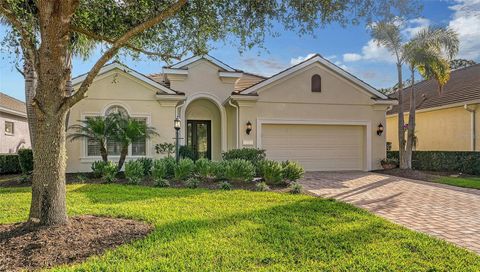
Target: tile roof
247,80
463,86
11,103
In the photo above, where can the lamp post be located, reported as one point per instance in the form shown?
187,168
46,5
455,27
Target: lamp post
177,123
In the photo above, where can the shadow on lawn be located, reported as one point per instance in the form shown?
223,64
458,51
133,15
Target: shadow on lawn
311,231
109,193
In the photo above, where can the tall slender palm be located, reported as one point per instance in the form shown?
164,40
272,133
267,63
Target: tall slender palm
429,52
388,34
129,130
98,129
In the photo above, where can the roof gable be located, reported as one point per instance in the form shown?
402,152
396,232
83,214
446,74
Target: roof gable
315,59
116,65
182,64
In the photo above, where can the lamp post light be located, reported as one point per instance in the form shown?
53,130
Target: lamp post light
177,123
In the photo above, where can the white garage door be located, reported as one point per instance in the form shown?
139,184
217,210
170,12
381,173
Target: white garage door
316,147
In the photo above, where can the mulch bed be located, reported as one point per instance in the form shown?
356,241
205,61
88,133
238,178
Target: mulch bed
417,174
24,249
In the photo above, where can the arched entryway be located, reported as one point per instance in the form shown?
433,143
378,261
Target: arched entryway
204,118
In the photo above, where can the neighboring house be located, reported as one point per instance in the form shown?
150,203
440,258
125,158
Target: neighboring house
14,125
446,121
314,112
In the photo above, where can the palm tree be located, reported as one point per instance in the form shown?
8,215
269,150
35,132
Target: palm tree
129,130
98,129
429,52
388,35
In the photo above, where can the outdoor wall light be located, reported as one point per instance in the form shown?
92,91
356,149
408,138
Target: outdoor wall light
249,128
380,129
177,123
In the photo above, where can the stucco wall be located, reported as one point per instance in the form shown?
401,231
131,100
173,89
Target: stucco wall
21,136
118,88
448,129
340,101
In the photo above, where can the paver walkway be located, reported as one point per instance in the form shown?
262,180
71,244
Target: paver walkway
447,212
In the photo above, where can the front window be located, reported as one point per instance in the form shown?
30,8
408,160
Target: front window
9,127
137,148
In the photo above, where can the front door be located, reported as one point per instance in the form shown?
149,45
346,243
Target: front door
199,138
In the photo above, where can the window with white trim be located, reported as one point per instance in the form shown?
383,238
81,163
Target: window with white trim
9,127
137,148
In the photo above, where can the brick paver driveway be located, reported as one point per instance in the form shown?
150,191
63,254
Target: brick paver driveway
447,212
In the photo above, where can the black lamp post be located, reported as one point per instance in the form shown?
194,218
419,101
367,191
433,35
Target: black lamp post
177,123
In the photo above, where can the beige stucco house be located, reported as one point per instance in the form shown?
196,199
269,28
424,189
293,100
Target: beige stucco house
13,121
445,121
314,112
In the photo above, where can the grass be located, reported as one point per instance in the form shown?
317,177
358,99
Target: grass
206,230
470,182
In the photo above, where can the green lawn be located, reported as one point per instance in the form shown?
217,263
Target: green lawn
473,182
203,230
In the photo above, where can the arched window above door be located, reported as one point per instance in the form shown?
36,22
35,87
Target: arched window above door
316,83
116,109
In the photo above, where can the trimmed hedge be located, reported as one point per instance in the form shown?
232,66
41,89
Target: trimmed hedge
25,158
467,162
9,164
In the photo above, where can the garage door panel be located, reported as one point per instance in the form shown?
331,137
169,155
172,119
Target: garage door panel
316,147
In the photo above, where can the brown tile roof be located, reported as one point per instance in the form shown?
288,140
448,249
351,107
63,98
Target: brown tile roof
247,80
463,86
11,103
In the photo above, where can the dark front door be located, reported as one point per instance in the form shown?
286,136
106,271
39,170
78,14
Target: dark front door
199,138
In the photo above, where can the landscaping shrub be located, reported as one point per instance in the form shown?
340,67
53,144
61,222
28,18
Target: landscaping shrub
192,183
262,187
9,164
240,170
292,171
109,171
186,152
162,183
159,170
81,178
252,155
203,167
25,159
295,188
134,171
147,164
271,171
467,162
170,164
219,170
184,169
225,185
97,168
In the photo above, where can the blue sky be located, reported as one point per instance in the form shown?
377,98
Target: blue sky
350,48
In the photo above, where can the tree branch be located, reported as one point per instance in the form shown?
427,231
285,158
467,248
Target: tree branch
26,39
119,43
97,37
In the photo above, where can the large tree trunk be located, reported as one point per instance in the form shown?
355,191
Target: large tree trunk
30,86
401,121
49,201
411,124
48,180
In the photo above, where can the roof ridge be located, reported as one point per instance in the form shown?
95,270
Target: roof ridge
9,96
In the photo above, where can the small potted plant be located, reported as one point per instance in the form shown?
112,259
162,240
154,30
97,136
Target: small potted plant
389,163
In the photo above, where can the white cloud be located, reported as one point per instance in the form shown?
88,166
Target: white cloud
466,22
297,60
371,52
414,26
351,57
